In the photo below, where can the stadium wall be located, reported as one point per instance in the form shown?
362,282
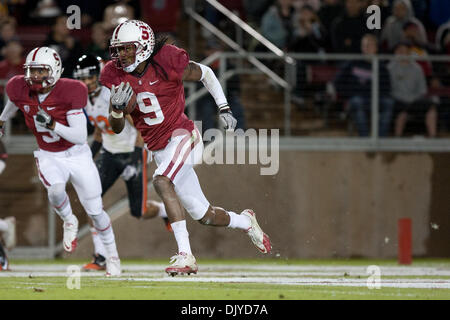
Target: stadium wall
319,205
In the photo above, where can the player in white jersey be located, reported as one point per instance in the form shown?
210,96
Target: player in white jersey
121,155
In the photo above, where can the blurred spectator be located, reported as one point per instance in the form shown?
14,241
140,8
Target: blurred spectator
309,37
13,60
348,29
277,23
12,64
7,33
329,10
309,34
418,48
409,89
9,67
392,32
99,45
67,46
354,82
162,15
206,106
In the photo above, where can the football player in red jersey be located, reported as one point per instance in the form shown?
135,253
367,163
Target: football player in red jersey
121,155
52,108
155,72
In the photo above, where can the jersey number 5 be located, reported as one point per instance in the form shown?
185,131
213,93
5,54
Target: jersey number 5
148,104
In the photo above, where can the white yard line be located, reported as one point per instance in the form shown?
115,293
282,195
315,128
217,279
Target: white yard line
394,283
261,269
266,274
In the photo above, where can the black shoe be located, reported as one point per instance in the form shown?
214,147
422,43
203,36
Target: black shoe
98,263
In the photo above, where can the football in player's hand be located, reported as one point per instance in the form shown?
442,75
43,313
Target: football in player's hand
131,104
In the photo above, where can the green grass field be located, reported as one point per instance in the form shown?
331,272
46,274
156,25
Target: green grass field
230,280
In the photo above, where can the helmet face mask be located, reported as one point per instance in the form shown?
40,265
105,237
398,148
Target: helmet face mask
38,77
43,69
131,44
124,54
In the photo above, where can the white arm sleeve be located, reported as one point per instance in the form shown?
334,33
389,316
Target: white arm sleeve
9,110
212,84
76,132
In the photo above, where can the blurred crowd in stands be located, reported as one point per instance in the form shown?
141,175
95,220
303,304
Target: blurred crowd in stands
408,87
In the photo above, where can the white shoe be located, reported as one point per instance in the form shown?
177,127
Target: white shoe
9,236
182,263
70,235
258,237
113,267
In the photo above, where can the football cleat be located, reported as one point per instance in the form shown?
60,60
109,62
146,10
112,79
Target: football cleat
70,235
9,236
98,263
258,237
182,263
113,267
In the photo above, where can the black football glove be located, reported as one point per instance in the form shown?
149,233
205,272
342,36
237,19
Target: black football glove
43,118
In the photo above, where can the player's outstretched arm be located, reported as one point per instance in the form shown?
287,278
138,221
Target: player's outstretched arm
199,72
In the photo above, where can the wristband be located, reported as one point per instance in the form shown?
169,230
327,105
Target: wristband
224,108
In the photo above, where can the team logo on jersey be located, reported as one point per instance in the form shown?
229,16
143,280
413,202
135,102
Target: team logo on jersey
26,108
153,82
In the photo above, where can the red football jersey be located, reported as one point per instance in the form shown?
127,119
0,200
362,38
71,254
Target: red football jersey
160,102
66,95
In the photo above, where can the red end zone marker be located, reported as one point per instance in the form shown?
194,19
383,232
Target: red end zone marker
404,241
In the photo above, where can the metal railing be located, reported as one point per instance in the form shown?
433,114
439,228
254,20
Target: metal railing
372,143
240,24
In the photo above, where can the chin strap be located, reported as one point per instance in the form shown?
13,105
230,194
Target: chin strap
94,93
131,67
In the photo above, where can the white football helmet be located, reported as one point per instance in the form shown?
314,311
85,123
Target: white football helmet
131,33
47,58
